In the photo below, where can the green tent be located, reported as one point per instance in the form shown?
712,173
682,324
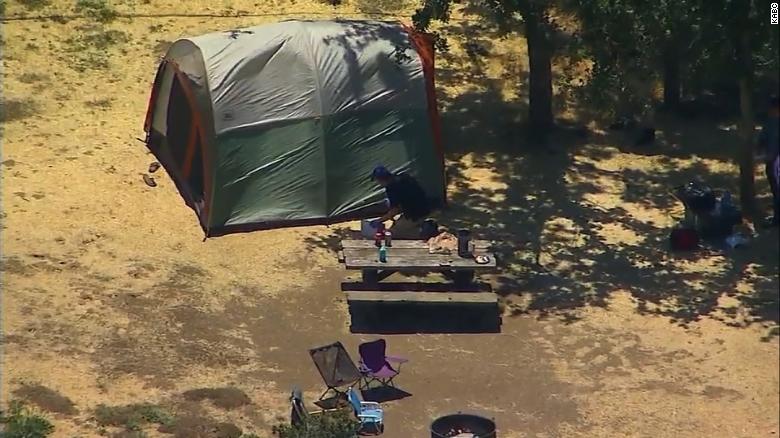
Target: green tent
280,125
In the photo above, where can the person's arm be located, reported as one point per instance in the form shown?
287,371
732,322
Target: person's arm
390,214
395,206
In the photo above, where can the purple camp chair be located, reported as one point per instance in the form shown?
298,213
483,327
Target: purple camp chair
375,366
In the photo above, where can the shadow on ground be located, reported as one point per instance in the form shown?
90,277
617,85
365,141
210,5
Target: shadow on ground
409,318
588,213
384,394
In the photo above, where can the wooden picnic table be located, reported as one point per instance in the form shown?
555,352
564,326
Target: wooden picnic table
393,307
412,255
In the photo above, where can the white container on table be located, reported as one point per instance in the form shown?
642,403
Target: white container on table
366,230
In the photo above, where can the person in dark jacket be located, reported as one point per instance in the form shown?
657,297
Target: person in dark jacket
406,198
769,147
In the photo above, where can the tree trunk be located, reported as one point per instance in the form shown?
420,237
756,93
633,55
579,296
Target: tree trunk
747,189
540,93
671,75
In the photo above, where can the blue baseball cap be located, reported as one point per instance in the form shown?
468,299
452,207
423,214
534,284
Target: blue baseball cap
380,172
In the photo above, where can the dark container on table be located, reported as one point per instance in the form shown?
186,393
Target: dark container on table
464,237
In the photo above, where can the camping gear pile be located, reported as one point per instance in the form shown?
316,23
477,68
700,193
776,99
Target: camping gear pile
709,214
278,125
444,243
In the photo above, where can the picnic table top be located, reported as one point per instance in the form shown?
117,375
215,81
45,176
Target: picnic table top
407,244
411,255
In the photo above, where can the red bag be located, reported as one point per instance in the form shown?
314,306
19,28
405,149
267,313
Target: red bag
684,239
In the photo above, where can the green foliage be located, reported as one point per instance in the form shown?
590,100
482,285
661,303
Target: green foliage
17,109
724,22
381,6
625,40
338,424
629,42
20,422
31,78
89,48
132,417
103,103
34,5
98,10
428,12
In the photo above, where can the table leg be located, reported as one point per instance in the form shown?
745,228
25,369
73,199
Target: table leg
463,277
370,276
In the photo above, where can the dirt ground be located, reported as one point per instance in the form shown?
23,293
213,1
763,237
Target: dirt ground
117,317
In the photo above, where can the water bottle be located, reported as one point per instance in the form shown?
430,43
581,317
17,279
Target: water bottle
383,253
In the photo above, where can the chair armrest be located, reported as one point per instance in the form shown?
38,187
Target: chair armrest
375,420
370,405
396,359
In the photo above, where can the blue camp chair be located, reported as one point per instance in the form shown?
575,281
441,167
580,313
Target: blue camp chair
370,414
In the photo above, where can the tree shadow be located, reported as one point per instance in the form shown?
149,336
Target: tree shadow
586,215
332,241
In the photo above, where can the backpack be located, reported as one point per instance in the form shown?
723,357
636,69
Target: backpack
699,197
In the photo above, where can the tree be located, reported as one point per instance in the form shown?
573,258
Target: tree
738,30
538,28
751,50
634,44
722,41
540,52
613,38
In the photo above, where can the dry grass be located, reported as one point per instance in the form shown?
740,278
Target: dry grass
111,299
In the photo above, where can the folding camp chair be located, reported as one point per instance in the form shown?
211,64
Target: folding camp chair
336,368
375,366
370,414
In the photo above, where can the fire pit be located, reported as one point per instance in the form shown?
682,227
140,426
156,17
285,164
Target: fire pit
463,426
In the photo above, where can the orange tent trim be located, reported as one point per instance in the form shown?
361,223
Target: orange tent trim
423,44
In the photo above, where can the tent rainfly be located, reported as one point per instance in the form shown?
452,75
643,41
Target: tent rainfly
280,125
